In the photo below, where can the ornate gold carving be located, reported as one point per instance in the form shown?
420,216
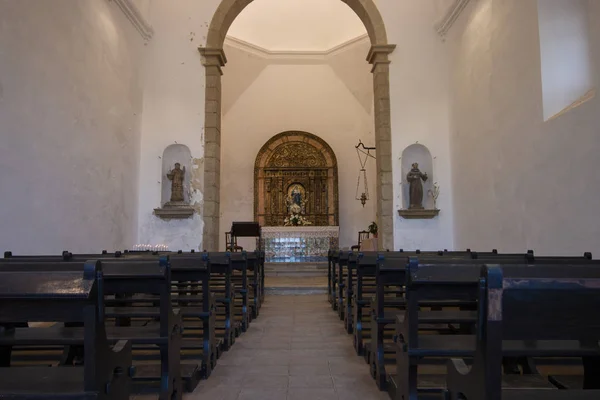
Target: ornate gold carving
296,158
296,154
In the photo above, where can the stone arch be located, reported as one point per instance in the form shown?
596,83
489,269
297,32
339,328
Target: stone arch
213,58
296,157
228,11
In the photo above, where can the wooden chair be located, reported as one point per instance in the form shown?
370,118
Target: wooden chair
228,244
362,235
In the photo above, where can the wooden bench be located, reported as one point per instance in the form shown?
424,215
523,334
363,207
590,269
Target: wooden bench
341,277
364,289
239,263
331,254
541,311
333,262
200,343
224,290
254,266
62,296
454,285
450,282
121,279
391,274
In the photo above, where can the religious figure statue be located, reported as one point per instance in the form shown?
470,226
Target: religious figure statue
296,196
416,187
176,176
294,201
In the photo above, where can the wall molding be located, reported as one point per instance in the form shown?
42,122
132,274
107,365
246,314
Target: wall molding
134,15
442,27
301,55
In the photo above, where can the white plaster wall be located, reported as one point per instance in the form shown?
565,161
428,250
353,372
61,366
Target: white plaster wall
173,113
520,183
331,99
174,106
420,112
70,105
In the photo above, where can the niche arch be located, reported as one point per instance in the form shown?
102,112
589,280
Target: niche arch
300,160
417,153
175,153
213,58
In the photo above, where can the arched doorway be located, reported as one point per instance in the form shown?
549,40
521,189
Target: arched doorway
213,58
296,162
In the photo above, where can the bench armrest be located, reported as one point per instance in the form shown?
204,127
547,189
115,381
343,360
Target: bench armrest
457,378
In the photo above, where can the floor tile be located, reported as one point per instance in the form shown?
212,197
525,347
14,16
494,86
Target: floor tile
296,349
308,381
312,394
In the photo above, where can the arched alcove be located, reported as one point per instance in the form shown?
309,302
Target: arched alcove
417,153
296,161
175,153
213,59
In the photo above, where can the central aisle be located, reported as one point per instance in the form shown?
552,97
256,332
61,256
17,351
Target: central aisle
295,350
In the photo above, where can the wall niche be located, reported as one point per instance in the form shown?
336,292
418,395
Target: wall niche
178,209
420,154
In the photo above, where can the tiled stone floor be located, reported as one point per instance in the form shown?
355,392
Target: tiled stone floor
285,281
295,350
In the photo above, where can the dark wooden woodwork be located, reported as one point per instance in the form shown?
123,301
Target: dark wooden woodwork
27,295
362,235
122,278
532,311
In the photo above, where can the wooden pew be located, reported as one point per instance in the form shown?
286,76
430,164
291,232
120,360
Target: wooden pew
124,277
386,283
254,266
222,286
62,296
341,276
547,311
200,348
330,275
363,290
449,282
348,291
239,263
381,349
333,264
198,310
453,285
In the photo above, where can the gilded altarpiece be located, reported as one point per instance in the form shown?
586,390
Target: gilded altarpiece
296,164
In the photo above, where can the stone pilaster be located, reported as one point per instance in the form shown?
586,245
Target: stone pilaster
378,57
213,60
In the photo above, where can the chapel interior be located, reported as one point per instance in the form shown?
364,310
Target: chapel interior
289,199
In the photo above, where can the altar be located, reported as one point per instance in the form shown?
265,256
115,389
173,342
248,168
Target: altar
299,243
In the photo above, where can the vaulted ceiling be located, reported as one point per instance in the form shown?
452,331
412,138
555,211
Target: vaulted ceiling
297,25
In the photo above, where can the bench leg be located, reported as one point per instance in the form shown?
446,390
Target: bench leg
407,375
358,330
591,372
378,356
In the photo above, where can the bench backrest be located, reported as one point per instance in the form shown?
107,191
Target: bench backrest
550,302
73,296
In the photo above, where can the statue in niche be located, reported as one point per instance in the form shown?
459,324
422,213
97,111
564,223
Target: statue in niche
176,176
415,193
296,200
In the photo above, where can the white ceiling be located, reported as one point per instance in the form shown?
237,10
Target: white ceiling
297,25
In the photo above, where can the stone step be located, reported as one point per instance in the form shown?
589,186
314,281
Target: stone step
296,269
291,291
